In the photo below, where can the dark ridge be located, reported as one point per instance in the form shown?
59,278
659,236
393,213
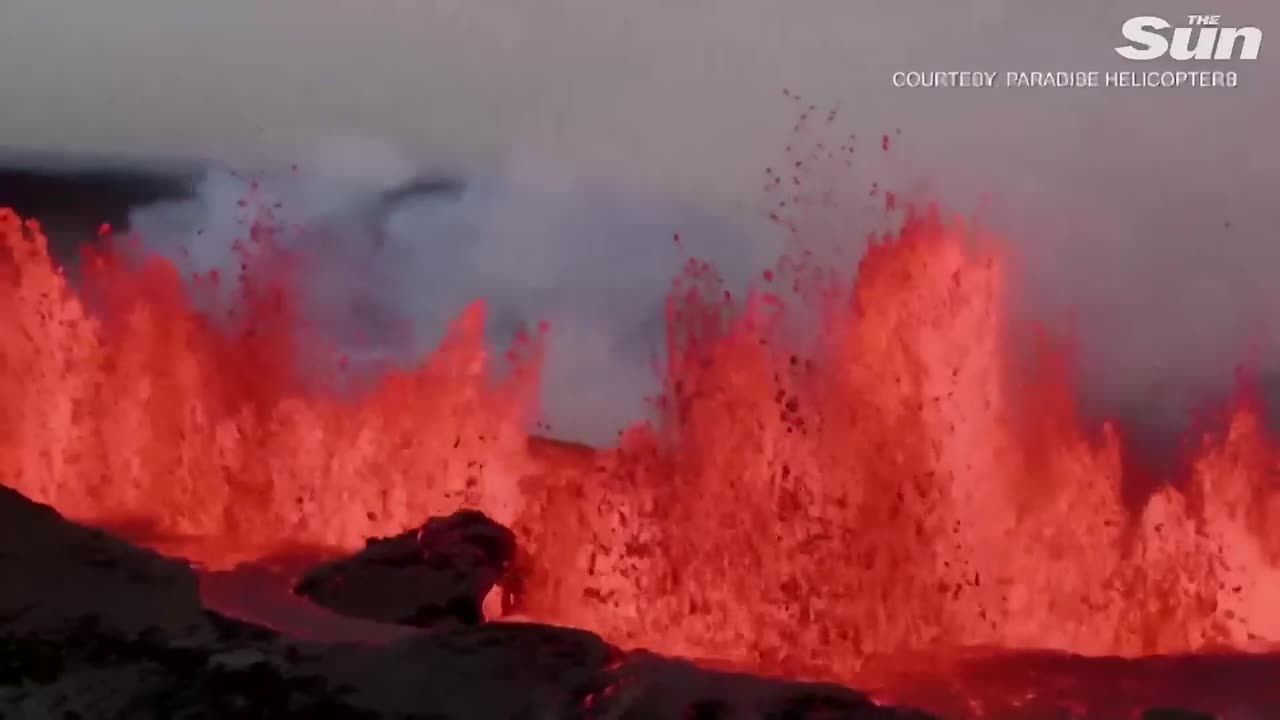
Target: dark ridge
96,196
376,213
72,204
420,187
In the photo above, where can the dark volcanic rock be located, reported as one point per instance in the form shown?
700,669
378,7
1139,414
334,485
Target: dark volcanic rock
93,627
235,672
651,686
56,573
96,628
516,670
1175,714
439,573
495,670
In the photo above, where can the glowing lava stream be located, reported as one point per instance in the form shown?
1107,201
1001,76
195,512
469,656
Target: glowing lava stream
895,489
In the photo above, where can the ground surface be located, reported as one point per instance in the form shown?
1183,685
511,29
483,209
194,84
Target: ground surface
96,628
93,627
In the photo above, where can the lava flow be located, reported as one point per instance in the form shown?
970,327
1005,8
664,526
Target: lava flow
890,487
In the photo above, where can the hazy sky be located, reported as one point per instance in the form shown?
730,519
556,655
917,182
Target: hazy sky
682,93
1153,213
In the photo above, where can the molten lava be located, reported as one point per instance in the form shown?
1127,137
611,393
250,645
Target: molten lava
892,486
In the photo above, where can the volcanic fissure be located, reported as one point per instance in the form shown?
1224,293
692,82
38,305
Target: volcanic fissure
835,507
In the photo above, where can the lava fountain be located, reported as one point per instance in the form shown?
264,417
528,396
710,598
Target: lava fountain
891,486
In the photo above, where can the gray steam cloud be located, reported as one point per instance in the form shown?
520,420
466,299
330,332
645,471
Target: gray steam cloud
535,242
1148,215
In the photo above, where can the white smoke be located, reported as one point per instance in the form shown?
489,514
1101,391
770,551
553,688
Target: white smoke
591,257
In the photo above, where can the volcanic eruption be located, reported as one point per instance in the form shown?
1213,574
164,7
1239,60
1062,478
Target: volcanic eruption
851,474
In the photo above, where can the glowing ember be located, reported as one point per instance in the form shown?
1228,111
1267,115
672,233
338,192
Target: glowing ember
895,488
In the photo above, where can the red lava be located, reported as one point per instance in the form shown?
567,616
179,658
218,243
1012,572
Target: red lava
838,507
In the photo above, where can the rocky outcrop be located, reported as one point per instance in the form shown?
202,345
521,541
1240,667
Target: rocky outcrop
93,627
437,574
56,574
85,671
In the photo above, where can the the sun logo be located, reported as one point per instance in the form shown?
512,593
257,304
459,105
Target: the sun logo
1147,41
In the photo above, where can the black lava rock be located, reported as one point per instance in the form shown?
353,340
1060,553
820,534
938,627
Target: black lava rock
437,574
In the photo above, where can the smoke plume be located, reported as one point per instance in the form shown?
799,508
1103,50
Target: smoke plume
384,246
